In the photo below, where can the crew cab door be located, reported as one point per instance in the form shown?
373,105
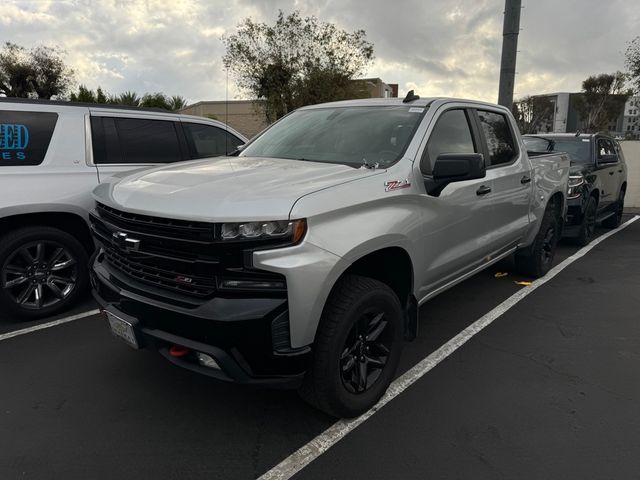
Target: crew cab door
457,223
511,172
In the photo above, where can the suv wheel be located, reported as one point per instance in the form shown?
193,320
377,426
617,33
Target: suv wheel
588,227
357,347
615,220
43,270
537,260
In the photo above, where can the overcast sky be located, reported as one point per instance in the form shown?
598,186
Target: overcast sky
447,48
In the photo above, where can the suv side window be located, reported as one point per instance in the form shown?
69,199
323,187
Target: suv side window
25,137
209,141
605,147
120,140
451,134
500,142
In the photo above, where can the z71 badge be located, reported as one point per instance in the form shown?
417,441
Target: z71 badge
396,185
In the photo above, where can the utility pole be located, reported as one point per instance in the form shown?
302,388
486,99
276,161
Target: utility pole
510,32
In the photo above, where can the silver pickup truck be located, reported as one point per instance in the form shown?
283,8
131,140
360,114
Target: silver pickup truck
302,261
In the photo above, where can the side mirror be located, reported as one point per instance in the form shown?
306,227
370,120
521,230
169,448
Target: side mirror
454,167
607,158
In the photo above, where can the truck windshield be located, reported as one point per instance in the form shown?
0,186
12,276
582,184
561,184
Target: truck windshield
348,135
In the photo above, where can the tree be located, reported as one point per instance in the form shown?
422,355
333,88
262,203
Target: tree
176,102
633,62
533,114
155,100
89,96
602,100
296,62
128,98
39,72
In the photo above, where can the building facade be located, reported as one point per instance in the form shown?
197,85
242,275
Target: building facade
565,117
631,118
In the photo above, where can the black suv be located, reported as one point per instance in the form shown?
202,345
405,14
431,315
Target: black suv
597,183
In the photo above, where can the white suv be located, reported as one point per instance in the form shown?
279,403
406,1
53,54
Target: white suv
52,154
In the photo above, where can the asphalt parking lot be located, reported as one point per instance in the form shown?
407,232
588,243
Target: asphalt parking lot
549,390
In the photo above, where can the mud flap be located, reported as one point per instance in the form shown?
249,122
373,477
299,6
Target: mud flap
411,319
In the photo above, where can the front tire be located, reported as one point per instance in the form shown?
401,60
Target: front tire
588,227
357,348
536,260
43,271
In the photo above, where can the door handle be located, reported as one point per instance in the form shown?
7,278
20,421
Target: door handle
525,180
610,173
483,190
619,171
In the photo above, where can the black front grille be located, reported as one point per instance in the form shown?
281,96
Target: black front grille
173,280
175,255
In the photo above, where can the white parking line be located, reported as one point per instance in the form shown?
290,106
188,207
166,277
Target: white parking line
323,442
42,326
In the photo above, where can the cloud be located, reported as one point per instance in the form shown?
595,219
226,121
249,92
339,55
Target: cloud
437,48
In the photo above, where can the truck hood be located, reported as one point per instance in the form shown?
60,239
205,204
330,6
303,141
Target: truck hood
225,188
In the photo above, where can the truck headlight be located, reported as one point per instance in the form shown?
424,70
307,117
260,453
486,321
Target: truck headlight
290,230
575,182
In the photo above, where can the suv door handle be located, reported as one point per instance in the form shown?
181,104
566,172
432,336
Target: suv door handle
483,190
525,179
610,173
619,171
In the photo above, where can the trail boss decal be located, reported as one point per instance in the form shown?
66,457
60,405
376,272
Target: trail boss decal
396,185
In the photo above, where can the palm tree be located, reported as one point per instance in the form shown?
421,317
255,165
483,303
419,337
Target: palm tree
129,98
177,103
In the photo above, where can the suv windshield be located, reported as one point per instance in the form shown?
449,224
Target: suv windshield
578,148
348,135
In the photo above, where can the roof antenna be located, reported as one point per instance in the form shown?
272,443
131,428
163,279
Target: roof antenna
578,132
410,97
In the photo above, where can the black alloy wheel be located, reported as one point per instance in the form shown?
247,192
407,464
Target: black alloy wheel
547,251
588,228
365,352
42,271
39,274
357,348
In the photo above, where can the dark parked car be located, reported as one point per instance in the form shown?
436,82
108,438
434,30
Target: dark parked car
597,183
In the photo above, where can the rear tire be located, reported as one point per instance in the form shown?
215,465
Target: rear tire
588,227
43,271
357,347
615,220
536,260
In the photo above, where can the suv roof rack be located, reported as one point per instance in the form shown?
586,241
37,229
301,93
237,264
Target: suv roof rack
64,103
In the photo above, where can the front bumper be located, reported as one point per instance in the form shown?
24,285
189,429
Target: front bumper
243,335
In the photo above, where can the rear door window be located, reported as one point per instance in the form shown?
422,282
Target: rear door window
25,137
209,141
499,138
121,140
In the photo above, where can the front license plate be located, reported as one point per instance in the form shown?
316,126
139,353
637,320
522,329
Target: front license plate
122,329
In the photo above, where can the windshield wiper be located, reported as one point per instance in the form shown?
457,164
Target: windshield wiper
368,165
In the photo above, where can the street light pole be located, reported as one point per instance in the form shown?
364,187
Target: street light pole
510,32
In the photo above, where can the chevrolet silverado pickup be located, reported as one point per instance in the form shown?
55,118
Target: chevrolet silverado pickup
302,261
52,155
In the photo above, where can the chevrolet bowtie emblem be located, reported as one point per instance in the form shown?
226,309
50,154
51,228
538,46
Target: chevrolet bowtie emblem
124,242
